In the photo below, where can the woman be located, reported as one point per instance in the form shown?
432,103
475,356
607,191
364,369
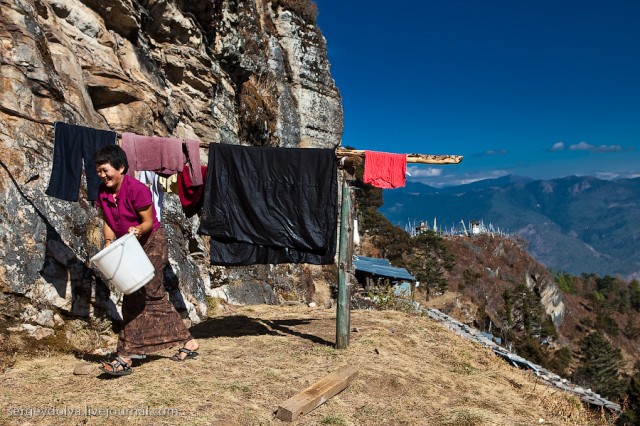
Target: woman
151,323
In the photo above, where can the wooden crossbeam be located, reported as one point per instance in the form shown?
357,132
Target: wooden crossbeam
352,156
411,158
317,394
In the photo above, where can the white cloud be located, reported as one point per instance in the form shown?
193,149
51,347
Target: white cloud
558,146
584,146
416,172
476,176
616,175
440,180
492,152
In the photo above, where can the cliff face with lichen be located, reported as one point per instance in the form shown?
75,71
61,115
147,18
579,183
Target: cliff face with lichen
242,72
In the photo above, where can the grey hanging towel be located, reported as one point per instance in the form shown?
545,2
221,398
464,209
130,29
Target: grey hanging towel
270,205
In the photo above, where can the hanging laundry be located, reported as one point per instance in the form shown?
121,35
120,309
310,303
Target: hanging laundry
356,233
191,197
169,183
385,170
193,162
71,145
270,205
161,155
157,196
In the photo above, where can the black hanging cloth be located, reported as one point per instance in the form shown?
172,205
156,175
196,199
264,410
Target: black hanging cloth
270,205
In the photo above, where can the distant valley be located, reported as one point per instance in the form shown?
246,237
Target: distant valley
572,224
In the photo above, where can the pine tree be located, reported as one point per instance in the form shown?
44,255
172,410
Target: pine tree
600,366
631,415
524,313
634,295
566,283
431,261
561,360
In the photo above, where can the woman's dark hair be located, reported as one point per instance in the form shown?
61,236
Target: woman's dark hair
113,155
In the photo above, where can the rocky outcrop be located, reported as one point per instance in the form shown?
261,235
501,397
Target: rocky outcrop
488,265
241,72
550,295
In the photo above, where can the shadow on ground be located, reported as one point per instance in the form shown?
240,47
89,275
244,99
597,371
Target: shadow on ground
241,325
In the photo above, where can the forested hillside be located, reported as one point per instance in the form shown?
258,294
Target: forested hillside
584,327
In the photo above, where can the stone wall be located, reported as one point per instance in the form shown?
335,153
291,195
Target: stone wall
241,72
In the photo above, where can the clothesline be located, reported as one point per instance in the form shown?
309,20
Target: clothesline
353,154
411,158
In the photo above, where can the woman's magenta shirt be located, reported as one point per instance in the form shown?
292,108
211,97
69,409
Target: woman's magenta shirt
133,196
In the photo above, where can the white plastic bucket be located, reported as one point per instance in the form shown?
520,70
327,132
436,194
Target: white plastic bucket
125,264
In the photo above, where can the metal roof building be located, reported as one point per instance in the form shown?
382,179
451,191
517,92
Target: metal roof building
381,267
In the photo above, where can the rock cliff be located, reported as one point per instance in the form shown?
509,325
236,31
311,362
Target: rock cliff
242,72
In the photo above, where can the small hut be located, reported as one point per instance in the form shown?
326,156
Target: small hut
374,274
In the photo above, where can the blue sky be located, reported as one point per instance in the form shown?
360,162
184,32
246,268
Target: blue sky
543,89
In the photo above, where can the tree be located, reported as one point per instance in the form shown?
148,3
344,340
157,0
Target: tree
561,360
631,330
634,295
532,350
566,283
523,310
604,321
600,366
430,260
506,315
368,200
606,284
631,415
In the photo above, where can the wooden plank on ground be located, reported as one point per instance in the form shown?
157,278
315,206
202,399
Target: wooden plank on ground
316,394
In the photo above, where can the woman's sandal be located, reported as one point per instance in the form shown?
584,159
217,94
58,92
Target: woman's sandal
190,354
117,367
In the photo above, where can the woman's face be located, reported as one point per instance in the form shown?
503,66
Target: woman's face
111,177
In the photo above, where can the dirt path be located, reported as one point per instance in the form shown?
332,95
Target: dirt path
411,372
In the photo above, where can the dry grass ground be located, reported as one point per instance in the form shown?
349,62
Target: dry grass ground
412,371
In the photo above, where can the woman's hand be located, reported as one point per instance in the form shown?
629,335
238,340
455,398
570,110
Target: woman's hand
146,222
135,231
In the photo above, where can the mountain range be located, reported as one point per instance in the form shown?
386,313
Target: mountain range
572,224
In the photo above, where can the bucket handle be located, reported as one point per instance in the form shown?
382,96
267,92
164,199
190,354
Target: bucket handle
118,265
119,262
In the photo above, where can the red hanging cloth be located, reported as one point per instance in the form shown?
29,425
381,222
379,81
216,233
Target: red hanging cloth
385,170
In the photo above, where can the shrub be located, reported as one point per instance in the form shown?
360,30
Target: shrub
561,360
566,283
388,300
306,9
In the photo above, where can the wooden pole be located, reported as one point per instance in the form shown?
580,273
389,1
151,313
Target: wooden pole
344,290
411,158
353,157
